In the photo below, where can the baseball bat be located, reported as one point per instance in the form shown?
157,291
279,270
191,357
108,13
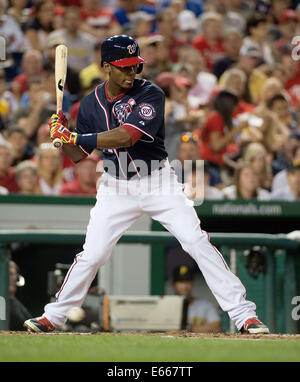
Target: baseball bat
61,53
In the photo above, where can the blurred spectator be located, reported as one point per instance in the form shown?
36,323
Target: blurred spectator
85,178
245,185
188,25
20,11
285,156
27,178
257,31
178,115
242,7
72,78
17,137
187,151
92,71
49,165
17,311
10,30
276,11
280,179
274,131
98,22
192,65
192,5
191,59
32,66
271,88
43,135
288,23
235,81
141,25
8,100
126,10
231,19
232,42
202,315
290,192
280,106
7,174
249,58
155,51
292,75
42,24
219,133
80,45
167,25
278,8
209,42
256,156
197,183
32,116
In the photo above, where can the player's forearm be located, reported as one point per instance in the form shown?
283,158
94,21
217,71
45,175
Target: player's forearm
73,152
113,139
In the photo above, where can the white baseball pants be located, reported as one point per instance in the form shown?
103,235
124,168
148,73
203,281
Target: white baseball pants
113,214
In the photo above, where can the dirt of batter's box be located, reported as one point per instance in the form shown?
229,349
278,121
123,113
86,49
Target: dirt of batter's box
172,334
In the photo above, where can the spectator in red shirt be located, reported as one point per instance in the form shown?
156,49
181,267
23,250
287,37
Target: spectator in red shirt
167,25
7,174
32,65
218,132
98,22
235,80
85,178
209,43
288,23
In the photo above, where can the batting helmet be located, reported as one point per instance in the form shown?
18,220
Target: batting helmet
121,50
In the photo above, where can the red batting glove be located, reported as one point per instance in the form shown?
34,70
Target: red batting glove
65,135
62,119
57,130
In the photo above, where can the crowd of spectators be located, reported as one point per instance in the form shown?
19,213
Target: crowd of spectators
230,70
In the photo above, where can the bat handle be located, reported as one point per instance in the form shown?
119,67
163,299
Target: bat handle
57,143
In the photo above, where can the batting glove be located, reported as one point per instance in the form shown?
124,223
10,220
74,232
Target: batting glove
58,130
62,119
65,135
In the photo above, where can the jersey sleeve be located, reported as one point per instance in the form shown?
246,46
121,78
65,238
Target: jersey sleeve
148,114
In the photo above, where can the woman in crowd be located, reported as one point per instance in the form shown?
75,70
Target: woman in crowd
27,178
43,23
245,185
256,156
219,133
49,164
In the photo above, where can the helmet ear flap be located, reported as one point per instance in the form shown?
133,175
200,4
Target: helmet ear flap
139,69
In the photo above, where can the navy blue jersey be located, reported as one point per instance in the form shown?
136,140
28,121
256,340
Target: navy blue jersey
142,107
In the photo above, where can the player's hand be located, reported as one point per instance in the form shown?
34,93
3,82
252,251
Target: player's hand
65,135
57,130
58,118
62,119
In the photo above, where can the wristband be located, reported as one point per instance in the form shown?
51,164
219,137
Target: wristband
88,141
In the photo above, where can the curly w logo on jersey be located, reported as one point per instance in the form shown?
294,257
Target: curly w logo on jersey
122,110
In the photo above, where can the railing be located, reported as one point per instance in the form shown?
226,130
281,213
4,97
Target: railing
226,242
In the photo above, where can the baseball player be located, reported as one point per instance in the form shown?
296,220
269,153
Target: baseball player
124,116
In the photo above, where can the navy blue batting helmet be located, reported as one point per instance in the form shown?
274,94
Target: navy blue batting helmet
121,50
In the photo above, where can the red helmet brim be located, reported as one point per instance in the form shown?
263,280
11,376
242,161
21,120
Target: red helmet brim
131,61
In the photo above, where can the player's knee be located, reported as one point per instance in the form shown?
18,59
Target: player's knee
95,257
191,240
